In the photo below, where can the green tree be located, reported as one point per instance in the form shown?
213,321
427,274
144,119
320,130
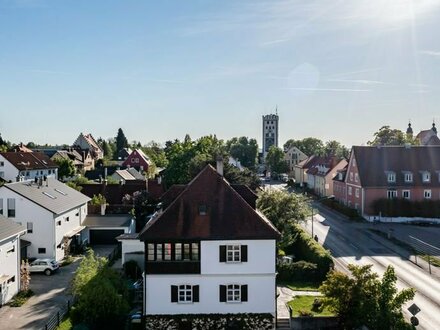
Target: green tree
359,299
156,153
65,167
284,210
310,146
121,142
335,148
275,160
388,136
243,149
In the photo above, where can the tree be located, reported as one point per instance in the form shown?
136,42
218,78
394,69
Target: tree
388,136
310,146
275,160
243,149
121,142
284,210
156,153
65,167
335,148
363,299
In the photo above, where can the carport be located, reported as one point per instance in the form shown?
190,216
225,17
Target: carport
103,229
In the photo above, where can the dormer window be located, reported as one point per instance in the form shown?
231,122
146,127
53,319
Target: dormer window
391,177
408,177
202,209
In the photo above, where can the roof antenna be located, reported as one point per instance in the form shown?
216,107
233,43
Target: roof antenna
276,109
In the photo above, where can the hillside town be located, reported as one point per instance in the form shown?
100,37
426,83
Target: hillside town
220,230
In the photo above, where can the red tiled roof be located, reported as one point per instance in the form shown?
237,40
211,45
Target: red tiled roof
374,162
29,160
228,215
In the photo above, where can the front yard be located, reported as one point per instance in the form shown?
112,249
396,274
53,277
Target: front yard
303,306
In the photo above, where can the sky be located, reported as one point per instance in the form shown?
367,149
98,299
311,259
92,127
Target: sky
335,70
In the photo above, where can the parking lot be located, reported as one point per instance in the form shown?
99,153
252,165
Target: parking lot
50,293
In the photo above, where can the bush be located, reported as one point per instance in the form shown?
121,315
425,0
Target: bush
297,271
348,211
306,248
132,270
21,298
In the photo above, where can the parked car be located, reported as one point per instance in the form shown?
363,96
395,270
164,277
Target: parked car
46,266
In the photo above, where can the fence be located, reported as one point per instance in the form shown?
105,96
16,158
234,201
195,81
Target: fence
425,248
56,319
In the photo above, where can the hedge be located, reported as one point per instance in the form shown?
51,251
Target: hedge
304,247
348,211
297,271
400,207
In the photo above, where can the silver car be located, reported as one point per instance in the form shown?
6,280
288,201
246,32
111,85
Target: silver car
46,266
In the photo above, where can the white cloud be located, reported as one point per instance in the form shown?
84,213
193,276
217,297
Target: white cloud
430,53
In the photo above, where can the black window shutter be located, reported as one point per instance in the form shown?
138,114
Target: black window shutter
222,253
173,293
222,293
244,253
195,292
244,293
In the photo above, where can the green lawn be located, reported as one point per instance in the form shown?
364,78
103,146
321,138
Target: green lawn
65,325
305,303
301,285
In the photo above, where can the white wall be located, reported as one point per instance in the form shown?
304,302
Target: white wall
11,172
261,258
132,245
261,294
9,265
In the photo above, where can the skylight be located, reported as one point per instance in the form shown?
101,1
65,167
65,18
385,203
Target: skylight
61,192
49,195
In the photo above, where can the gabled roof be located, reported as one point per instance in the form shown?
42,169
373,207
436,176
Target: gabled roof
373,163
9,228
228,215
324,162
308,163
20,148
136,174
52,195
143,155
29,160
94,146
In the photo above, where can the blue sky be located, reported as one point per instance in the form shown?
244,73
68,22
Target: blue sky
161,69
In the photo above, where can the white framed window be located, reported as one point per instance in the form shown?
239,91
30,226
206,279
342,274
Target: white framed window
233,293
427,193
11,207
391,194
30,227
357,192
184,294
349,190
59,223
426,177
406,194
2,164
408,177
356,177
233,253
391,177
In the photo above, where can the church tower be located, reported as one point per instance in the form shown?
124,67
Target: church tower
270,131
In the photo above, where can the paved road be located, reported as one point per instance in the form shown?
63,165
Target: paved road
350,243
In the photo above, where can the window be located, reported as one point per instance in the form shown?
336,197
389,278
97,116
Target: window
408,177
11,208
356,177
233,293
356,206
391,194
67,219
10,250
427,194
391,177
11,280
159,252
1,206
406,194
61,192
349,190
357,192
186,252
150,254
178,251
194,251
132,160
167,251
30,227
59,223
41,250
426,177
202,209
184,293
233,253
49,195
2,163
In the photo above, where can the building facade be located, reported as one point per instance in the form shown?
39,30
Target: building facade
23,166
138,160
270,132
293,156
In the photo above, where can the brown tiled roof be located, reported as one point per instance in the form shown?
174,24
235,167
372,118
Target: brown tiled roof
228,215
29,160
329,162
171,194
374,162
20,148
309,162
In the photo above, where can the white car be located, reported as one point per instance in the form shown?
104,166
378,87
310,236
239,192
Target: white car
46,266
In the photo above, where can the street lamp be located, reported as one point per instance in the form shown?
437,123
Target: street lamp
318,200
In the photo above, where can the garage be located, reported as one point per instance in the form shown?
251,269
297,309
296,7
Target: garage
104,236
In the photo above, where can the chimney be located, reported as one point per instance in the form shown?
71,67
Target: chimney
220,165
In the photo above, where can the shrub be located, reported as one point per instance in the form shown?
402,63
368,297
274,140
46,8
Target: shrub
297,271
304,313
348,211
21,298
400,207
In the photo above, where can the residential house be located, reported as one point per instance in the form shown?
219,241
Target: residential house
293,156
410,172
10,233
300,169
72,155
124,153
320,175
129,174
87,143
22,166
20,148
339,186
52,212
209,252
137,159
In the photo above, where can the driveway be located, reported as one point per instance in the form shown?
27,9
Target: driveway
50,294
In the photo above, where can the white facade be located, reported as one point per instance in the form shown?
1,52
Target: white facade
132,249
9,172
293,156
45,230
257,273
9,268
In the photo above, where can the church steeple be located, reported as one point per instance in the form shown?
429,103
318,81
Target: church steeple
409,130
434,129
